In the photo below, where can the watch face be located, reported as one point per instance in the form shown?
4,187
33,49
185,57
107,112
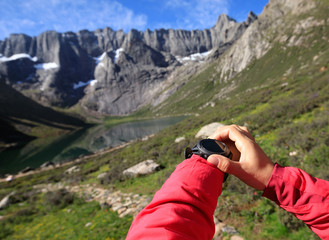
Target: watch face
211,146
207,147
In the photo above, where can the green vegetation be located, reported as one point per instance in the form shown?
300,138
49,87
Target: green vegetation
60,215
22,119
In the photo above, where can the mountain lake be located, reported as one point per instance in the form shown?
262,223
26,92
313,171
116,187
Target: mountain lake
79,143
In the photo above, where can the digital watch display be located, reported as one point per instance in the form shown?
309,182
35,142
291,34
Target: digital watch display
206,147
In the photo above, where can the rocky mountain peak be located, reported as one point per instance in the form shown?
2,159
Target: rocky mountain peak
107,71
251,18
224,18
134,35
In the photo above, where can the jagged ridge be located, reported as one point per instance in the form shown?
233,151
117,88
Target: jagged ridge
126,70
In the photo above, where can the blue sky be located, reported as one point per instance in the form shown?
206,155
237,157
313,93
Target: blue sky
33,17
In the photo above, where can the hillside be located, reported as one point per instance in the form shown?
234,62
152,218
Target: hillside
283,42
276,83
23,119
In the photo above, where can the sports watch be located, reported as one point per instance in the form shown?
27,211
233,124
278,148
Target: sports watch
206,147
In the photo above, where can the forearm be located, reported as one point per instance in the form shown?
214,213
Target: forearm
303,195
184,206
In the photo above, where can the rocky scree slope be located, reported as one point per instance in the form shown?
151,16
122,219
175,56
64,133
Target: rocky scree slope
270,27
109,72
282,23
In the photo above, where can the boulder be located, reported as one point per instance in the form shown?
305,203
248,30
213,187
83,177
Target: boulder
72,170
101,176
179,139
143,168
229,230
47,164
9,178
5,202
207,130
27,169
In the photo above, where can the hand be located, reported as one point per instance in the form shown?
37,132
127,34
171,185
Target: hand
250,164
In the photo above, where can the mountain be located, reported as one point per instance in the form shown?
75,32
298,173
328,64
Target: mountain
273,79
20,114
107,71
277,41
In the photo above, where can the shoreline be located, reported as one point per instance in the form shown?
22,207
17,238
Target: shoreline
78,160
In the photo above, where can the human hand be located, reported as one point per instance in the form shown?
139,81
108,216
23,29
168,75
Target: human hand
250,164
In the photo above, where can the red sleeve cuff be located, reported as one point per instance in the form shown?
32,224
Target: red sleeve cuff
274,184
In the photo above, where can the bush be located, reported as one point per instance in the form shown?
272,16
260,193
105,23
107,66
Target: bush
114,175
29,195
289,220
22,216
5,230
318,156
58,199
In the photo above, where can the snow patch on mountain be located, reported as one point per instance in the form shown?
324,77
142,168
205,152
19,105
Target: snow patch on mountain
16,57
117,54
46,66
196,57
83,84
100,58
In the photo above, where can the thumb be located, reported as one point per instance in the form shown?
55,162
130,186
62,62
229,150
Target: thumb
223,163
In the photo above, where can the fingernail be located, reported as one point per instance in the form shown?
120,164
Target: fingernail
213,160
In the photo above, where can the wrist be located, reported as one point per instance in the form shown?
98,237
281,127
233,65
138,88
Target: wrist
268,171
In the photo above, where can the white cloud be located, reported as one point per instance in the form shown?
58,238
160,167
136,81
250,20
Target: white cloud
198,13
177,3
36,16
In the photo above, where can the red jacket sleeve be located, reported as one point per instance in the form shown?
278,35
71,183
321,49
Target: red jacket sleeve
183,208
303,195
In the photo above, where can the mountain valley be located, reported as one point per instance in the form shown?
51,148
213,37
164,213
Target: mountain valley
269,73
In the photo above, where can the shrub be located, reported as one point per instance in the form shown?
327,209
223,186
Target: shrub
318,156
5,230
289,220
58,199
114,175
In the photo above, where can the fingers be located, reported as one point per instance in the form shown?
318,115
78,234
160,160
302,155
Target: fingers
237,134
224,164
252,166
247,133
224,132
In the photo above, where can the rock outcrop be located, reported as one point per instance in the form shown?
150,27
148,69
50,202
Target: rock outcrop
208,130
109,72
142,168
6,201
258,39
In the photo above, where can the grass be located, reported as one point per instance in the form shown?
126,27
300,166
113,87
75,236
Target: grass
191,95
78,220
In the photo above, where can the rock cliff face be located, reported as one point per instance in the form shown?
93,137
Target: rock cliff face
109,72
282,22
259,37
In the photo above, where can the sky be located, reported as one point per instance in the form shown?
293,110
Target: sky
33,17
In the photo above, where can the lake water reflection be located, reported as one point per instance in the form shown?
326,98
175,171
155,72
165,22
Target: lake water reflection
79,143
